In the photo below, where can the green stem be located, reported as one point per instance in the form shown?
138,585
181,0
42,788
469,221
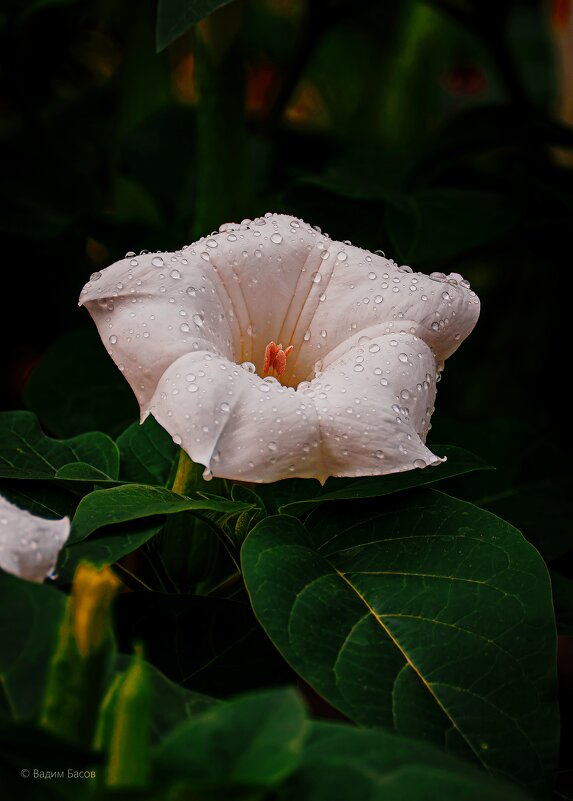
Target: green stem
185,480
222,169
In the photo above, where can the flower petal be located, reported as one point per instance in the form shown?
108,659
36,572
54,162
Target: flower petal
237,424
154,308
367,295
368,414
374,405
29,545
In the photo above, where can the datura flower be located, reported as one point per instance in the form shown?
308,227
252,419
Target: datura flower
269,351
29,545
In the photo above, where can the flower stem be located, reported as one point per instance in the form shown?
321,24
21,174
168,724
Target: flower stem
186,476
222,169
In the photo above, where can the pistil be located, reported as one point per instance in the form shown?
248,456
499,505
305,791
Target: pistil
275,359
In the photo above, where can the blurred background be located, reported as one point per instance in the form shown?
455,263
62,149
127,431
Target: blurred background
437,132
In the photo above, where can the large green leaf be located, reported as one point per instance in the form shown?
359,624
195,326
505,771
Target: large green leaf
135,501
26,452
428,615
340,763
175,17
30,615
254,740
295,496
147,453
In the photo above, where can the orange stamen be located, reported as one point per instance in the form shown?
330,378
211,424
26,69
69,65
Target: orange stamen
276,358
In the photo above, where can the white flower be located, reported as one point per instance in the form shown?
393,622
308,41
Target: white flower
29,545
190,330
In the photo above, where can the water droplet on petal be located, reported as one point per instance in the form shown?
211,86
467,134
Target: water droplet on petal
157,261
95,276
374,348
192,388
185,328
419,463
403,357
276,238
225,407
249,367
175,274
198,320
177,439
113,339
379,454
272,446
191,291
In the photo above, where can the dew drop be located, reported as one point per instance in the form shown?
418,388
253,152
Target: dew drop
192,388
272,446
225,407
113,339
185,328
95,276
372,276
157,261
177,439
191,291
276,238
341,256
403,357
379,454
198,320
374,348
133,263
175,274
205,256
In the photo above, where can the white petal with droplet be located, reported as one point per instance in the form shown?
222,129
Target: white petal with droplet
29,545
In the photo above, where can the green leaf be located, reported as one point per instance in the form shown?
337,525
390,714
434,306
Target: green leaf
135,501
295,496
438,224
255,740
340,763
147,453
105,548
76,388
429,615
30,615
27,453
175,17
40,498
